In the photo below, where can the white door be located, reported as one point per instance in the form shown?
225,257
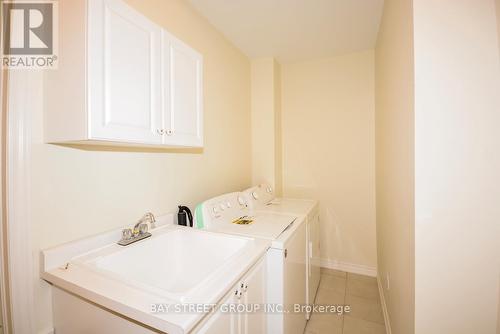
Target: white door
295,274
313,258
124,60
183,98
254,286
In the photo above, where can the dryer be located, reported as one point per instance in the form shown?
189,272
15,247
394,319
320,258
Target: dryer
261,198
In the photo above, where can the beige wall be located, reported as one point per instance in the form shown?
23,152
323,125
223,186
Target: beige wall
498,27
328,150
395,162
457,164
497,3
278,134
498,307
77,193
266,123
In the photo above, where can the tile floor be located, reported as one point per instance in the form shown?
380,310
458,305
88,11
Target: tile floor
357,291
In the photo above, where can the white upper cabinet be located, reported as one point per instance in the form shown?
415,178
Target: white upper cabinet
122,79
184,105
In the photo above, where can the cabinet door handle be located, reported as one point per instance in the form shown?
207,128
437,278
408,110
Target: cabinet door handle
286,253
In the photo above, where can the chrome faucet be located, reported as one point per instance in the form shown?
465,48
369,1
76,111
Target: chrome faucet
139,231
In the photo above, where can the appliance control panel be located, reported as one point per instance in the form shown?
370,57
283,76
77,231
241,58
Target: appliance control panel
224,208
259,195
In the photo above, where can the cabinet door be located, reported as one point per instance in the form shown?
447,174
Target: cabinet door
249,291
182,89
124,87
222,322
254,283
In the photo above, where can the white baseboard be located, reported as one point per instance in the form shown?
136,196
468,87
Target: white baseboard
384,307
349,267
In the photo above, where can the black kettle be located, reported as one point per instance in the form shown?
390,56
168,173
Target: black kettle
184,215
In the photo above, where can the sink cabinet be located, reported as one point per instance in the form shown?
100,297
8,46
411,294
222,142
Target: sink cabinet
122,79
250,290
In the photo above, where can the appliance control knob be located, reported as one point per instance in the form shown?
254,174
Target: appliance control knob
269,190
241,200
215,210
222,207
255,195
228,204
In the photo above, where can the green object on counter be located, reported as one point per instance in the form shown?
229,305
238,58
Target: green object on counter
198,215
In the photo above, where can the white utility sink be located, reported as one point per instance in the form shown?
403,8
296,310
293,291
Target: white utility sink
173,264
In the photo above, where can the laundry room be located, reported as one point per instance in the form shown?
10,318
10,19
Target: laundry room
231,167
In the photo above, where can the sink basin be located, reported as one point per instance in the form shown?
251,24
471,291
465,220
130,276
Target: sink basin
172,264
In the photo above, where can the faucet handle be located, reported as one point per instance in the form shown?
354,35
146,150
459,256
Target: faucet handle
143,228
127,234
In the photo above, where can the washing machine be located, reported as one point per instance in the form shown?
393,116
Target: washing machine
286,256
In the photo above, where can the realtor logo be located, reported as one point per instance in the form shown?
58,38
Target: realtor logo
29,34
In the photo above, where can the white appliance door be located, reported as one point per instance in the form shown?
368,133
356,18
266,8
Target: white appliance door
295,273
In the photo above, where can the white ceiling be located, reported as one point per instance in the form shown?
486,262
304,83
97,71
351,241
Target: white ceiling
292,30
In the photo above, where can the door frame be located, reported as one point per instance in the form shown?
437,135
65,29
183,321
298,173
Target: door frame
4,288
19,279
